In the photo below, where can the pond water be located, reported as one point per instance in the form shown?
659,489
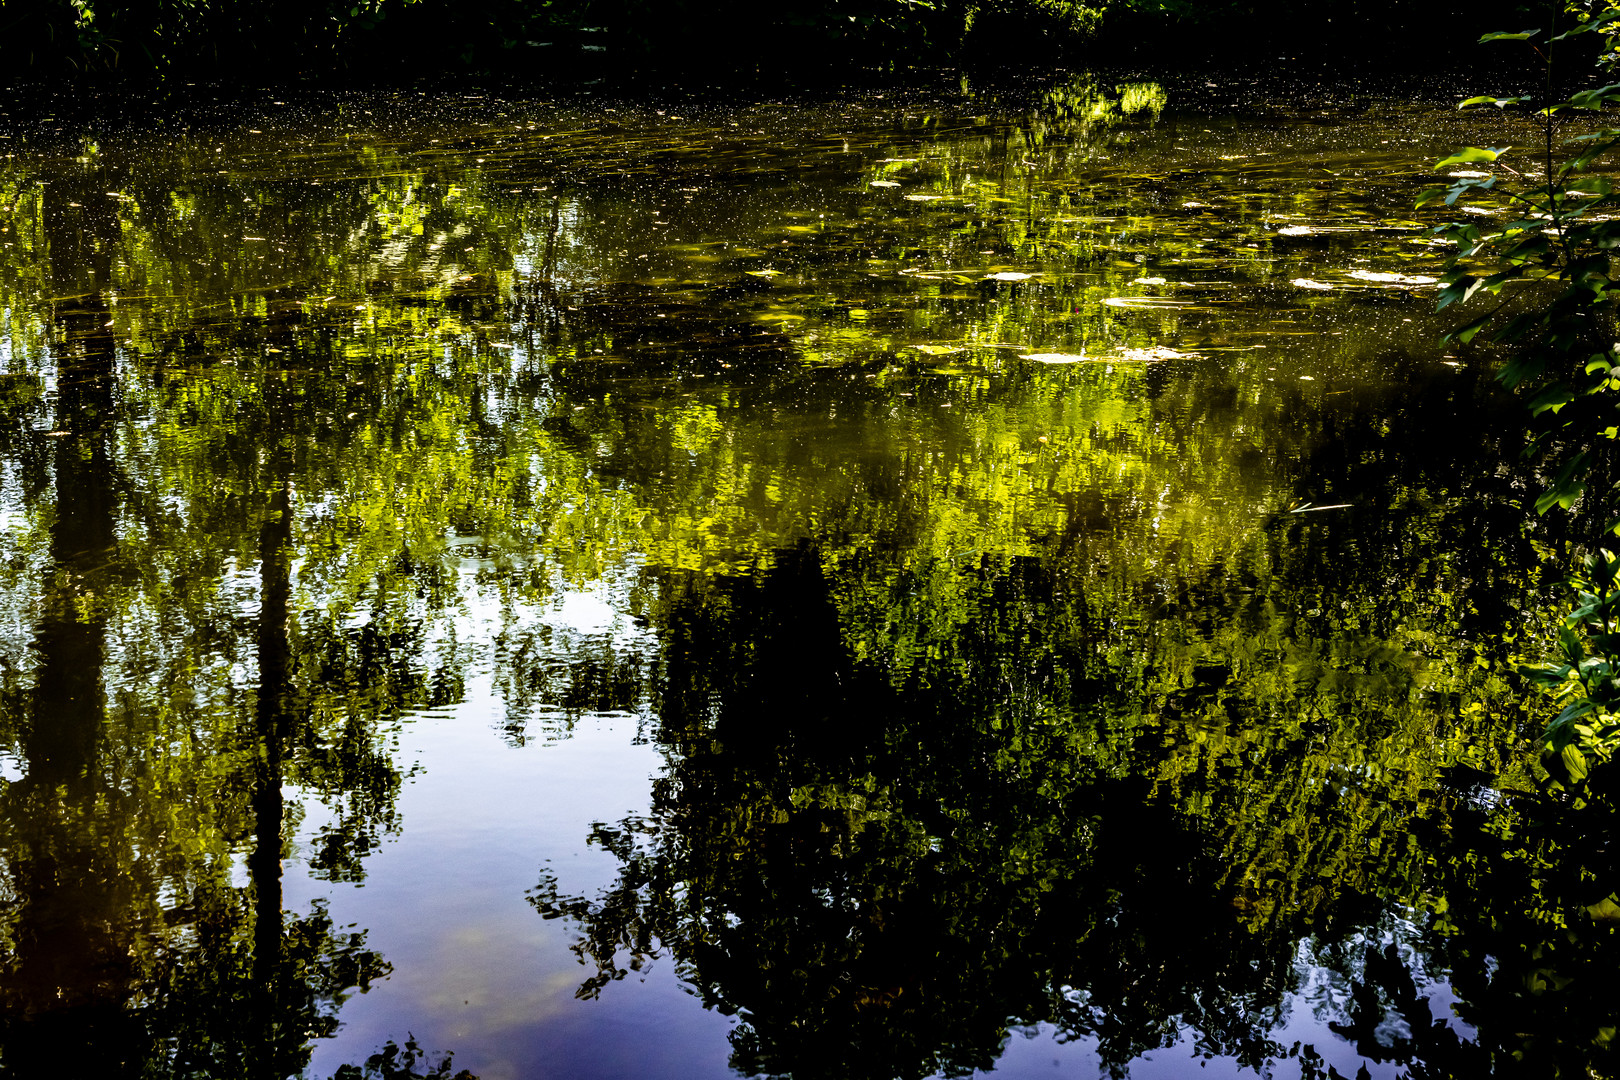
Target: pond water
878,586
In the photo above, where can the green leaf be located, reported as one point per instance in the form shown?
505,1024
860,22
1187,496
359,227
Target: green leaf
1501,36
1570,482
1575,710
1471,154
1574,763
1465,333
1563,496
1546,675
1492,284
1589,607
1455,291
1574,650
1487,99
1595,98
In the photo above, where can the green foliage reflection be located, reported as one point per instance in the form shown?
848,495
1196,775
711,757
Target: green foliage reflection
1062,615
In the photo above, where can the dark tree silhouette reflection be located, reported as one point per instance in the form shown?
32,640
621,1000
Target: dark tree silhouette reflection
143,930
884,875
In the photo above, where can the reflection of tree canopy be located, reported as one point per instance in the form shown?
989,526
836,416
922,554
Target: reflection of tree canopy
152,766
992,692
912,800
1033,826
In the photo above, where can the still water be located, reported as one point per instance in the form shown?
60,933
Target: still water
898,585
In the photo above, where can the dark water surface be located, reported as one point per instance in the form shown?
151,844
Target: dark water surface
901,585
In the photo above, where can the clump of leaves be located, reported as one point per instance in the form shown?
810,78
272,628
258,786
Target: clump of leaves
1585,674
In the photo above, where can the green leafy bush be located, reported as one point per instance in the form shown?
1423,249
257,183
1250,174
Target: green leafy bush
1547,268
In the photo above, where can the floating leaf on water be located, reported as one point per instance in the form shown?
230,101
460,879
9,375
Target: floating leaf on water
1155,354
1316,230
1384,278
1150,281
764,273
1008,275
1307,283
884,183
1144,302
937,350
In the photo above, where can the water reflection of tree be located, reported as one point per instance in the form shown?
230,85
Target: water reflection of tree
914,764
128,946
1059,813
877,886
70,900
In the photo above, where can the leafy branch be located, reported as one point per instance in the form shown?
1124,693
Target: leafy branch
1550,263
